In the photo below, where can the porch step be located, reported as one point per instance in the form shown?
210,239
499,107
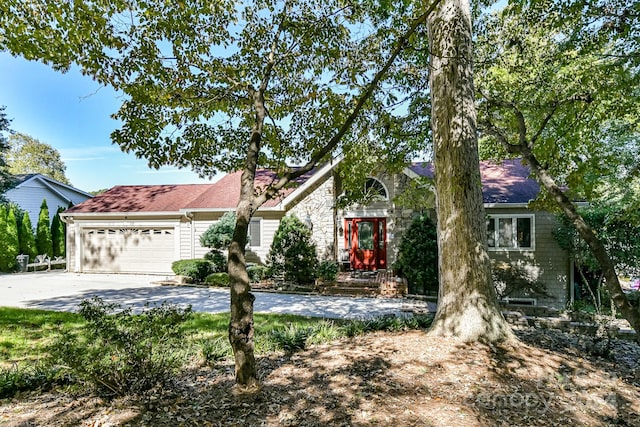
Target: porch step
382,284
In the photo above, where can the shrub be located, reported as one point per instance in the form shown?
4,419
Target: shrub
124,352
10,242
58,235
257,272
216,349
217,279
43,231
510,279
328,270
219,234
27,378
418,256
26,237
292,252
218,260
197,269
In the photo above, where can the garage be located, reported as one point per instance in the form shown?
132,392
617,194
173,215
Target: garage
127,250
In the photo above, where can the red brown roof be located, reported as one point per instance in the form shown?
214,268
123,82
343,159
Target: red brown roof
223,194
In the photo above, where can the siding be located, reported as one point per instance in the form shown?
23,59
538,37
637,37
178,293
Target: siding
269,222
547,263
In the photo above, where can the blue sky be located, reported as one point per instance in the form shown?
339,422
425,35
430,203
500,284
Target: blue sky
72,113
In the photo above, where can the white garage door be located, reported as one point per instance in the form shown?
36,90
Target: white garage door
128,250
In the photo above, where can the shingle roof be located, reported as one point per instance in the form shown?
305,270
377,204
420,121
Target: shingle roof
508,182
223,194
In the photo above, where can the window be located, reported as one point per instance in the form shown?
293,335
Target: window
255,232
510,232
375,188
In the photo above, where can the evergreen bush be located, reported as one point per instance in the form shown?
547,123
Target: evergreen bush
43,231
197,269
218,260
58,235
328,270
257,272
292,252
418,256
11,242
217,279
26,237
3,235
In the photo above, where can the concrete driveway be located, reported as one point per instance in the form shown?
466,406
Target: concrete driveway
62,291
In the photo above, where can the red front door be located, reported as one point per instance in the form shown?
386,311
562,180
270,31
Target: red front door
366,239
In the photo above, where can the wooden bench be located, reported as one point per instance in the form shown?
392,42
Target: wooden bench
40,261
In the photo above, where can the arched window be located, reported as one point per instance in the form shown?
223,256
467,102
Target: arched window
375,189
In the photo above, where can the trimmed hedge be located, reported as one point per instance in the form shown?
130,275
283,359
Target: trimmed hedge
198,269
217,279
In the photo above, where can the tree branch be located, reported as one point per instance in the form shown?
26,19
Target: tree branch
364,97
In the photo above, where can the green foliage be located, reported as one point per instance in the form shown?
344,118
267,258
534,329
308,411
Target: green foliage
197,269
292,252
217,279
26,237
418,256
620,236
292,338
220,233
3,232
29,155
512,279
11,242
257,272
58,236
217,259
328,270
39,376
123,352
43,231
216,349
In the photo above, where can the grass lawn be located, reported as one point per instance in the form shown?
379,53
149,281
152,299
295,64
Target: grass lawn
26,333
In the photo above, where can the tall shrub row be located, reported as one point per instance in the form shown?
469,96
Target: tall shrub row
17,235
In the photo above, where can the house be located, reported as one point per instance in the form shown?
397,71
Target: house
32,189
143,229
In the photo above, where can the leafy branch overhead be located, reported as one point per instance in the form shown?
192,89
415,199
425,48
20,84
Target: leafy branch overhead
189,72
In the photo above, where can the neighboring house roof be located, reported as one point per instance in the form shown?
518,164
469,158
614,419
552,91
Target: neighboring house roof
57,187
222,195
508,182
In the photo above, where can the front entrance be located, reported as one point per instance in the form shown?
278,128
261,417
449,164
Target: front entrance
366,240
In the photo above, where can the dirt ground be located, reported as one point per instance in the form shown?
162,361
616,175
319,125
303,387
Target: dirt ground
404,379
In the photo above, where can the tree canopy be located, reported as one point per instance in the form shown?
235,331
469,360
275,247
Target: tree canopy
29,155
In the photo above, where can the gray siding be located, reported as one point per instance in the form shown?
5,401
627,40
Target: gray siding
547,262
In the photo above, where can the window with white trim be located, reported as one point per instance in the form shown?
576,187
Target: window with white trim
511,232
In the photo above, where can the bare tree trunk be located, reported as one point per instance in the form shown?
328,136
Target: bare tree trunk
586,232
467,304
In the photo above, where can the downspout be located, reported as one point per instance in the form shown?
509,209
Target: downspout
189,216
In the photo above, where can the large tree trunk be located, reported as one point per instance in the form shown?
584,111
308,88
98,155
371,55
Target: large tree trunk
241,328
467,304
588,235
